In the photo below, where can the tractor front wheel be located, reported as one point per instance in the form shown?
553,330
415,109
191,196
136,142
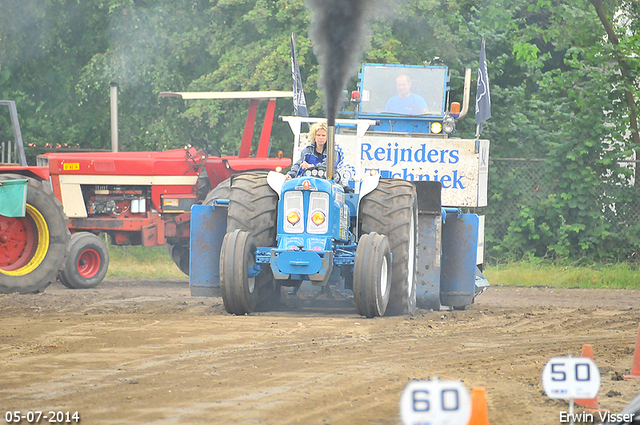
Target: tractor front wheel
33,247
87,262
239,290
392,210
372,275
253,208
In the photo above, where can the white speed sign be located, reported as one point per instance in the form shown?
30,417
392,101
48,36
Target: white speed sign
571,377
435,402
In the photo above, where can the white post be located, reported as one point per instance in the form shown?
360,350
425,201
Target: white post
114,117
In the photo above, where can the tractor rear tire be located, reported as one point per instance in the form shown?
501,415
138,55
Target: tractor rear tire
253,208
180,252
87,262
391,210
372,275
270,297
221,191
33,248
239,291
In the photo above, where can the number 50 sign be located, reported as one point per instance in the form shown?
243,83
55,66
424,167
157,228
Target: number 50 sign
571,377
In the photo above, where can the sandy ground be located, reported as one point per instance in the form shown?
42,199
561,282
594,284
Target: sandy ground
145,351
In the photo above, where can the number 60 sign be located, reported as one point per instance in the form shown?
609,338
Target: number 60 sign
571,377
435,402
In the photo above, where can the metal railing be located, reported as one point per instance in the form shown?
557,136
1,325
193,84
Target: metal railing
18,151
6,153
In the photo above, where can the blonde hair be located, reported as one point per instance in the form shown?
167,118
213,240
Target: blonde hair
321,125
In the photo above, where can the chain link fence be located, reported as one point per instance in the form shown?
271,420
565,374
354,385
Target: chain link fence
529,184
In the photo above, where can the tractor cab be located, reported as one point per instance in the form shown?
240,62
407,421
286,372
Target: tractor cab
408,99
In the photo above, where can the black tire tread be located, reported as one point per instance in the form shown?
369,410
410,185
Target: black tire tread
233,273
372,248
221,191
387,210
253,207
180,251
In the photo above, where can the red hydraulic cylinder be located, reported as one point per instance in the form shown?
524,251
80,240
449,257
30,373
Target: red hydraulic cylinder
245,147
263,148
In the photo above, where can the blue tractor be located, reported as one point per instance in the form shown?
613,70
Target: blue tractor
389,227
304,228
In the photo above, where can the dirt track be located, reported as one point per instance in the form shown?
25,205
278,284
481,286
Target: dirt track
143,351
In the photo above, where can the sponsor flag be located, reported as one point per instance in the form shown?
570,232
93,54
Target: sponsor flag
483,96
299,102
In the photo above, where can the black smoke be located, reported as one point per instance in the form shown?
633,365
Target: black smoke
338,35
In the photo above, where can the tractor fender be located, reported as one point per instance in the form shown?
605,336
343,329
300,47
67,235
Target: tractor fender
368,185
275,181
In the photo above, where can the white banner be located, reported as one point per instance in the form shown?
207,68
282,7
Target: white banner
457,164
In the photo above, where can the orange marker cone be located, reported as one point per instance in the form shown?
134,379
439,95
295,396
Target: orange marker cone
479,413
635,367
589,403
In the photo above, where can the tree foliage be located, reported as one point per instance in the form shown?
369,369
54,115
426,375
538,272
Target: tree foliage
557,82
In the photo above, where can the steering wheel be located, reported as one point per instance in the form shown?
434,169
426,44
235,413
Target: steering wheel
313,171
318,171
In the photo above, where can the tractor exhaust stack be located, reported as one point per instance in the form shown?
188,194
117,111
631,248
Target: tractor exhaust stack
331,132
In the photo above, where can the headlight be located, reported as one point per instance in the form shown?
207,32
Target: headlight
293,212
318,211
318,218
293,217
448,125
436,127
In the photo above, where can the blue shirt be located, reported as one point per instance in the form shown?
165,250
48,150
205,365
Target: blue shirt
319,160
411,105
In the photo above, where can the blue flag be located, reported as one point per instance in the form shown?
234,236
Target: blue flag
483,96
299,102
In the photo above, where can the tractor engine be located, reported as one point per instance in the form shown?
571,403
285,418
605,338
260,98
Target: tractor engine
115,200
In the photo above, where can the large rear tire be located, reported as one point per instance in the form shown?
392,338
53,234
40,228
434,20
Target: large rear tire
372,275
253,208
87,263
239,291
221,191
33,248
391,210
179,251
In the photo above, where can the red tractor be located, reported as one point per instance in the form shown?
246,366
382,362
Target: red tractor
138,198
34,231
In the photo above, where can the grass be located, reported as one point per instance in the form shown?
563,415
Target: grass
154,262
142,262
614,276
